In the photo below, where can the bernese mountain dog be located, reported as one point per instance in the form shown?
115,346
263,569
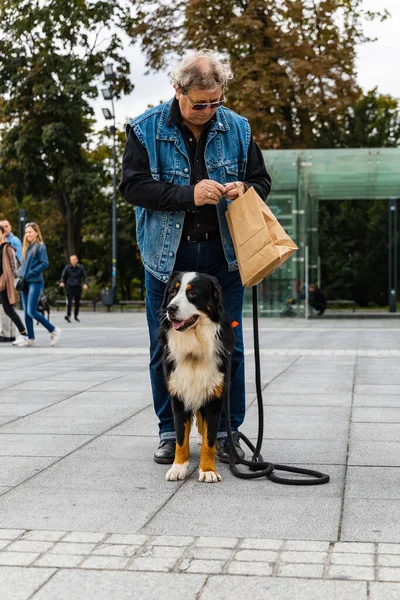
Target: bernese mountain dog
198,341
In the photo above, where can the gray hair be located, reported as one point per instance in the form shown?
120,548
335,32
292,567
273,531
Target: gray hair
203,71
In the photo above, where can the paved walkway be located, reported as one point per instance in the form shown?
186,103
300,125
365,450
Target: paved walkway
86,514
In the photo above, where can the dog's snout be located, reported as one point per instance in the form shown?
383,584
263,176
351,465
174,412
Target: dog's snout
172,309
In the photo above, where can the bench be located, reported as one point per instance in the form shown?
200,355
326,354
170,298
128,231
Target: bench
342,304
91,303
133,303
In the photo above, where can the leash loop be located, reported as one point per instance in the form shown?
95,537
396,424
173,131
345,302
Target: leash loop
257,465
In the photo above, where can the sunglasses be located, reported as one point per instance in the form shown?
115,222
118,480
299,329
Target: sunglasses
32,224
204,105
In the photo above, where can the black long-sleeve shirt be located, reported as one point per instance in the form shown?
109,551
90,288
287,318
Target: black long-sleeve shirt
72,276
139,188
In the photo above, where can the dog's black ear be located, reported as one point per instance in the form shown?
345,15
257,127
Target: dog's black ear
216,293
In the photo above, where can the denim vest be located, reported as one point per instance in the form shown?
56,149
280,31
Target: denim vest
158,233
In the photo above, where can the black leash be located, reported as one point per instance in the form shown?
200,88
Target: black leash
257,465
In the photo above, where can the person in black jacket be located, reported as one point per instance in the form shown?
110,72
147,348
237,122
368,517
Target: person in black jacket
71,278
317,299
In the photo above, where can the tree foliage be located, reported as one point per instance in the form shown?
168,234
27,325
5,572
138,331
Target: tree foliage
294,60
52,54
373,122
354,250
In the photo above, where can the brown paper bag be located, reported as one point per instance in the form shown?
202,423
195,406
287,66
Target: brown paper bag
261,244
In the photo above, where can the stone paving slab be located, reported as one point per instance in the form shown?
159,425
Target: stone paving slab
382,432
92,473
299,452
366,519
385,454
73,425
210,515
117,447
78,509
22,409
377,390
373,482
16,469
327,430
17,583
39,444
308,399
384,400
376,415
17,396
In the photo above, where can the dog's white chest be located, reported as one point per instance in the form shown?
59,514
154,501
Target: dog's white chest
196,377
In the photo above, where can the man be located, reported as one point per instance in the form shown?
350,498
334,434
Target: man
181,164
317,299
8,331
71,277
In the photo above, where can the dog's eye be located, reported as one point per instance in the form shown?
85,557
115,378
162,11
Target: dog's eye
191,294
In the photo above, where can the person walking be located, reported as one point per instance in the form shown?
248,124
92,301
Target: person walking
182,163
8,271
34,262
8,330
71,277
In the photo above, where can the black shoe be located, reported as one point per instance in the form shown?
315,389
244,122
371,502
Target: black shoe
6,339
67,318
165,453
76,319
223,449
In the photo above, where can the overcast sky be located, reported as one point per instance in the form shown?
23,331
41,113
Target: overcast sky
377,65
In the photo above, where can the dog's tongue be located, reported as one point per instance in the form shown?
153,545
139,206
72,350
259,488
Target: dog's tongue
178,324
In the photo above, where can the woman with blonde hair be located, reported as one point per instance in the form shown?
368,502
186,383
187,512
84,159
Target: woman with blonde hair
34,262
8,270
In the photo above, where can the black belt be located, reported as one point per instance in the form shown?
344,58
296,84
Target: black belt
201,238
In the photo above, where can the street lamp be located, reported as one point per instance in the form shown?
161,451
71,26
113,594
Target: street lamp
108,94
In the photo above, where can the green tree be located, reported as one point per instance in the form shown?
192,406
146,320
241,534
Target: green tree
96,227
373,122
294,60
354,250
52,54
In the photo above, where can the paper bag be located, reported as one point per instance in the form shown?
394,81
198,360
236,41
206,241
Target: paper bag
261,244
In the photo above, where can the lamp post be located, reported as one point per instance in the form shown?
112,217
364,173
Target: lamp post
392,230
108,94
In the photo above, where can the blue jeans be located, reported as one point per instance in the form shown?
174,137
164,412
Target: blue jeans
30,300
204,257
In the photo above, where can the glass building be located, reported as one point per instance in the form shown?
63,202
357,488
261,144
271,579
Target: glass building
300,180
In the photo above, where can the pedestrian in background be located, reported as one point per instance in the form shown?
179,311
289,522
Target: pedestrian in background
71,278
317,299
8,271
34,262
8,331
